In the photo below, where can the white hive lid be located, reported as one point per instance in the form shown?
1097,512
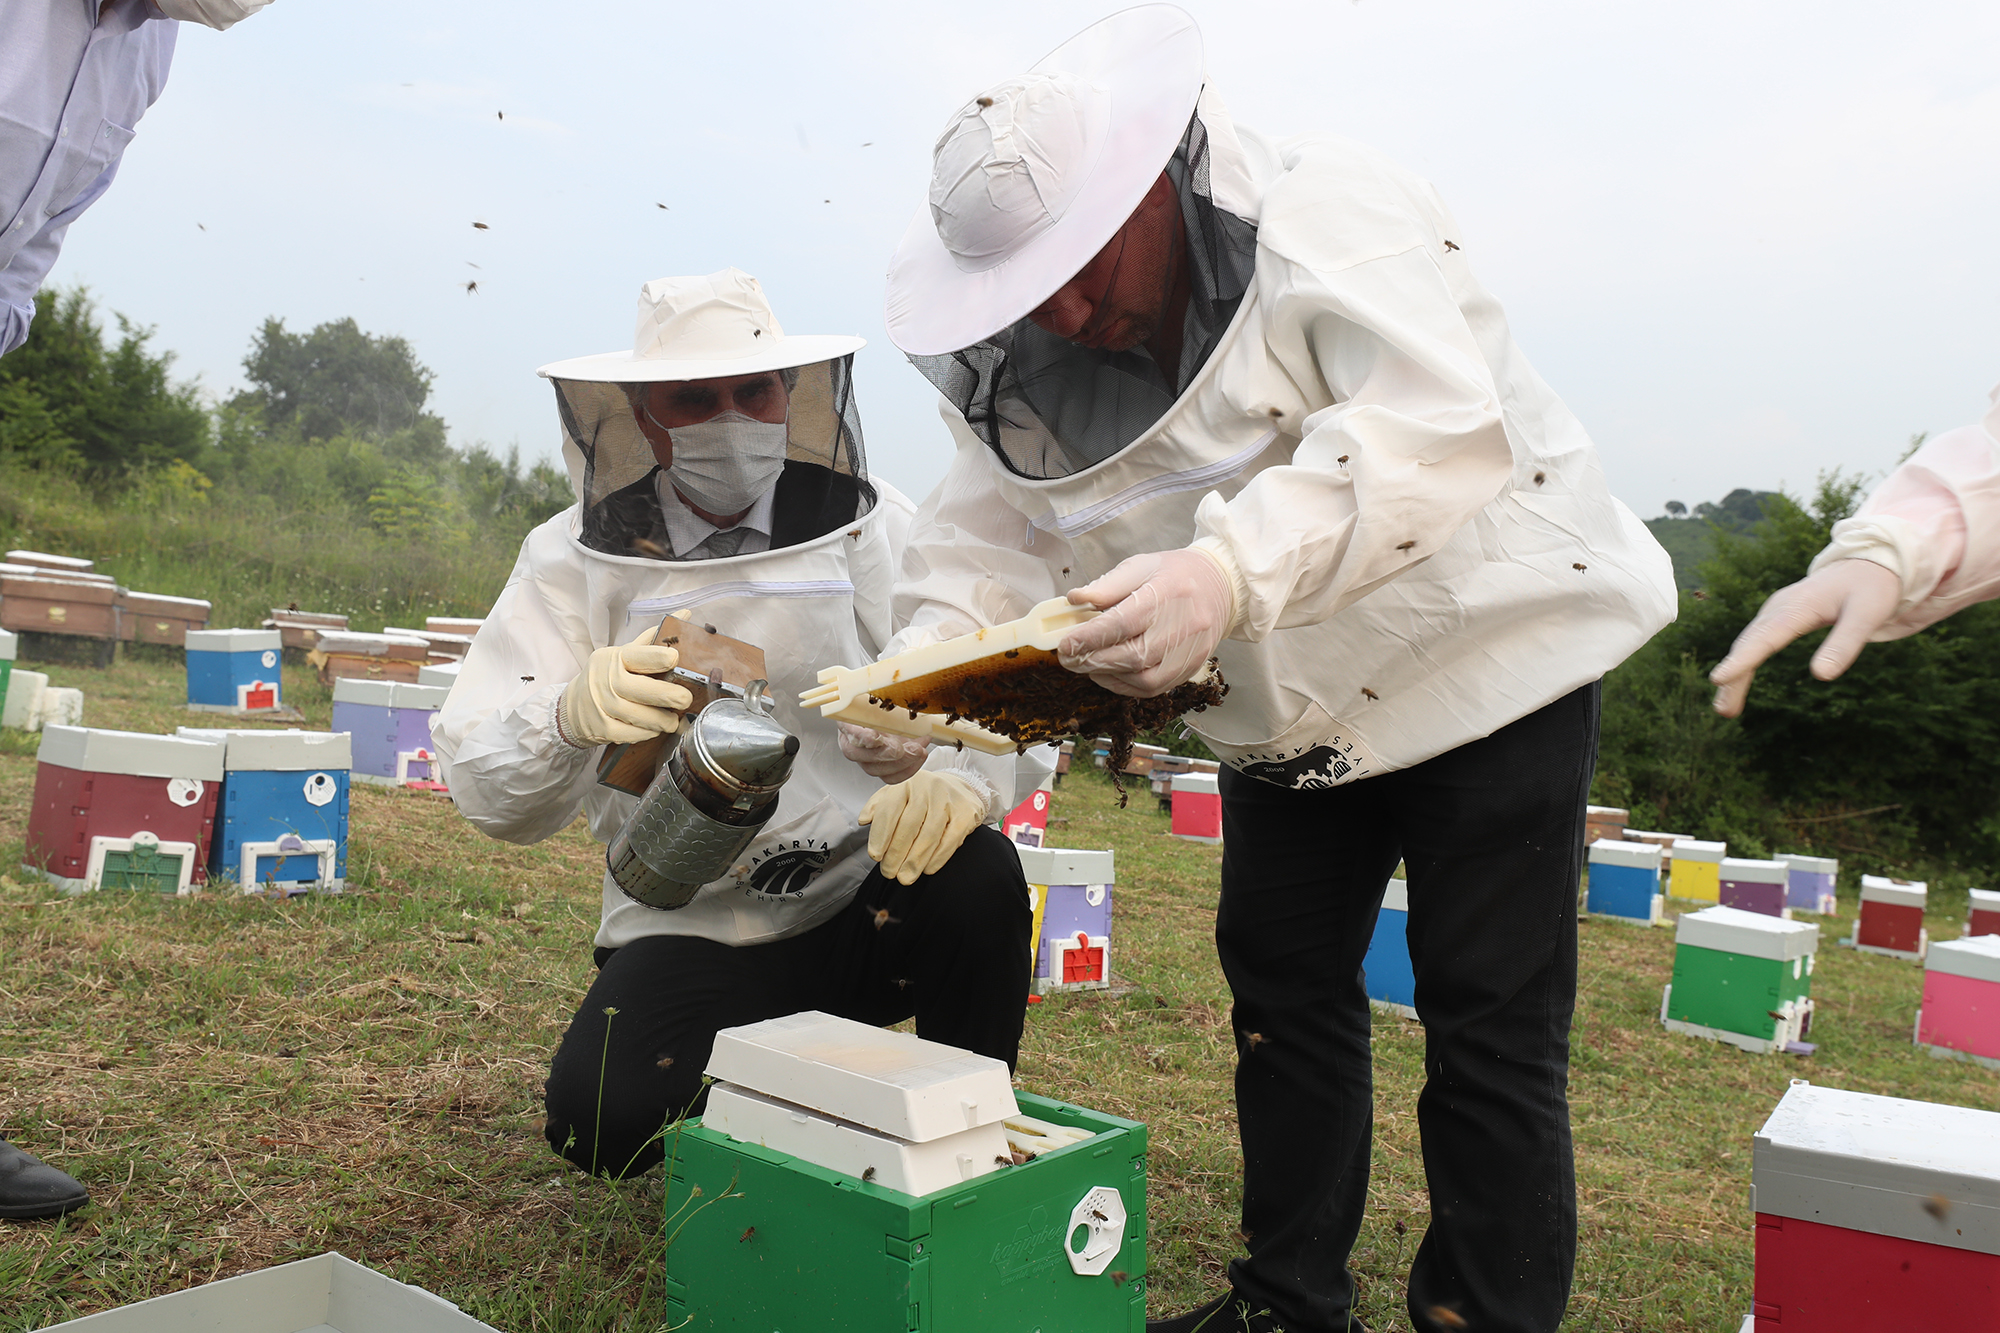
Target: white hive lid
1975,956
1618,852
1731,930
233,640
890,1081
1694,849
1396,898
137,753
1201,784
1811,865
1905,893
443,674
10,643
420,696
177,601
1985,900
247,750
454,624
1607,813
74,563
1917,1170
1066,865
1746,871
364,645
374,693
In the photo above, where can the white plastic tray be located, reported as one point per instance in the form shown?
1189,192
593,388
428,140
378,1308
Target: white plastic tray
855,1150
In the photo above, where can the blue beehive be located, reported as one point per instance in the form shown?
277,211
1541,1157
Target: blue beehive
234,670
281,824
1386,971
1625,881
391,725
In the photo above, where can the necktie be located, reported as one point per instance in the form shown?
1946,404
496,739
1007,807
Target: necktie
722,545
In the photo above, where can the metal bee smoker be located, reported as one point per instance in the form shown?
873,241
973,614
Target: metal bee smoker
718,787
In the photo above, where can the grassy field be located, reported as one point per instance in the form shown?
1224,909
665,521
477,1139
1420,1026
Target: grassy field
242,1082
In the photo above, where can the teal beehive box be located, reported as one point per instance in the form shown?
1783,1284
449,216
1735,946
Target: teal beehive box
1039,1222
1742,978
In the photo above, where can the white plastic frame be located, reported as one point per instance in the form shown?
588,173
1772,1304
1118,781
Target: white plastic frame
93,874
323,850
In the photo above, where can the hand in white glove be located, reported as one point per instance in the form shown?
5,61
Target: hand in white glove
1167,611
917,825
1856,597
882,754
616,701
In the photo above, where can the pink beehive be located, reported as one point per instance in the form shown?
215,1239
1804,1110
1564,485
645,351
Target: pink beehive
1197,807
1961,1013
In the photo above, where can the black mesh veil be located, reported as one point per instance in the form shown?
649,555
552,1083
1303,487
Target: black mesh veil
1049,407
824,484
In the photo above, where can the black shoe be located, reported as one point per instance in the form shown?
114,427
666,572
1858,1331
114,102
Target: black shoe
30,1187
1227,1313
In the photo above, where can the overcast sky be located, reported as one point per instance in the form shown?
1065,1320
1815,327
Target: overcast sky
1745,241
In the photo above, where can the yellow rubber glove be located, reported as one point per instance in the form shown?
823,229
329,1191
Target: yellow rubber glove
616,701
917,825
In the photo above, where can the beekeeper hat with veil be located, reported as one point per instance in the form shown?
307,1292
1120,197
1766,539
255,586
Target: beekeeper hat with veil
714,418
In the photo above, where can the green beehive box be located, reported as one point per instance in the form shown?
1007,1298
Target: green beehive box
1741,977
10,644
772,1244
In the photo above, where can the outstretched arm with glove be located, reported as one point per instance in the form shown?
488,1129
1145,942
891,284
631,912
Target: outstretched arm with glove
614,700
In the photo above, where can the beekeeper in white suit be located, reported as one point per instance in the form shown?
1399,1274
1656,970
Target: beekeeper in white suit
718,469
1248,396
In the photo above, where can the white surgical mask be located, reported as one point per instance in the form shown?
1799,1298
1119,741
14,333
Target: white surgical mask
217,14
726,463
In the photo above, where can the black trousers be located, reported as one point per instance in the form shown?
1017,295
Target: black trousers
1492,837
953,952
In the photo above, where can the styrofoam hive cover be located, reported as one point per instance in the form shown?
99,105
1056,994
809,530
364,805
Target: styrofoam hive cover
1732,930
1885,1165
856,1150
891,1081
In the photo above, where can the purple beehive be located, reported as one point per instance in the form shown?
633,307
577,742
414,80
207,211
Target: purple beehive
1812,882
1073,937
1754,886
391,725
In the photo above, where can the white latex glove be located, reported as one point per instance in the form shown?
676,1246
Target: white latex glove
1856,597
917,825
1166,612
615,700
882,754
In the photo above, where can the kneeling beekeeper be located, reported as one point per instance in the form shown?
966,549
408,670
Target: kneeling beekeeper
719,471
1250,395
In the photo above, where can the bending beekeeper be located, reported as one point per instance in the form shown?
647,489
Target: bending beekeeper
1246,396
1924,545
718,469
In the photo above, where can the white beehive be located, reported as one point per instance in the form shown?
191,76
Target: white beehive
849,1096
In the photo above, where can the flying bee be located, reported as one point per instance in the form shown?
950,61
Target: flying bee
1254,1039
528,679
664,1062
882,918
647,546
1404,546
1447,1317
1700,596
1119,1277
1370,693
1937,1206
480,226
472,288
1451,245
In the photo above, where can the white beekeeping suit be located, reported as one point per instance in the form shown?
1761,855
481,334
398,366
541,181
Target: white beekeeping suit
812,587
1415,529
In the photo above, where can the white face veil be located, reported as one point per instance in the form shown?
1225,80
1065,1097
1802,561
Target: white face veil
821,484
1049,408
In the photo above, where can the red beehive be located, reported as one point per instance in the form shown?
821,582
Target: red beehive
118,807
1892,918
1875,1213
1983,914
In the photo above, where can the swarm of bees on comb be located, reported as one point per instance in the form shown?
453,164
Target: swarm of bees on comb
1026,695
